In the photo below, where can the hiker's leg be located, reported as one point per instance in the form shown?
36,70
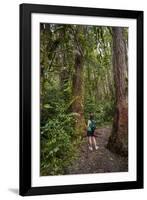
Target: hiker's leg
90,141
94,142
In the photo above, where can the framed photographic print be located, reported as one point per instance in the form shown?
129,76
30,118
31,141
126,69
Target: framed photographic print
81,99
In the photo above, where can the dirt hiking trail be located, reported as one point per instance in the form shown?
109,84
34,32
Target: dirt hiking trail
98,161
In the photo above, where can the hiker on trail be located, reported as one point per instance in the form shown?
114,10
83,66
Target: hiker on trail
90,132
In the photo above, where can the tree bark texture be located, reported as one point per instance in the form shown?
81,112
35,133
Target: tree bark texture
118,141
78,93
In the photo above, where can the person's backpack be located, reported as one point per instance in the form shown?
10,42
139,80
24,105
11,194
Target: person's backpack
92,125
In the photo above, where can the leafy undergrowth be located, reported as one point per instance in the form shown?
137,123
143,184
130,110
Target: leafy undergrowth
58,144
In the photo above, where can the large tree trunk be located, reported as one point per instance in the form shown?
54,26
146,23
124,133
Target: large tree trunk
78,93
118,141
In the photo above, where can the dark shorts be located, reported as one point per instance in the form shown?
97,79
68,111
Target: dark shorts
90,133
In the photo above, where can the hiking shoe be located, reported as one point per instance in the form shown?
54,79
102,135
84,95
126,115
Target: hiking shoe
96,147
90,148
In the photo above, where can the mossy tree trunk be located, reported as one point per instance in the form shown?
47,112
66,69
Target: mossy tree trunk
118,141
78,93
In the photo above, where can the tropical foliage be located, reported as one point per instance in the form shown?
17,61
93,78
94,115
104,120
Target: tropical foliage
77,78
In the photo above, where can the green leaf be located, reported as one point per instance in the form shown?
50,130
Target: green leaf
47,106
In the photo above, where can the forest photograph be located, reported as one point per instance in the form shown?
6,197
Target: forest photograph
83,99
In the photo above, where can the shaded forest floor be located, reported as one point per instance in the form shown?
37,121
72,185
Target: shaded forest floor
98,161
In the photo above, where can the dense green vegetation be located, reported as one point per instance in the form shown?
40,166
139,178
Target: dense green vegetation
76,78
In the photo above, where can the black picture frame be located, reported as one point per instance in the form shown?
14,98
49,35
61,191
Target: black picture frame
25,187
